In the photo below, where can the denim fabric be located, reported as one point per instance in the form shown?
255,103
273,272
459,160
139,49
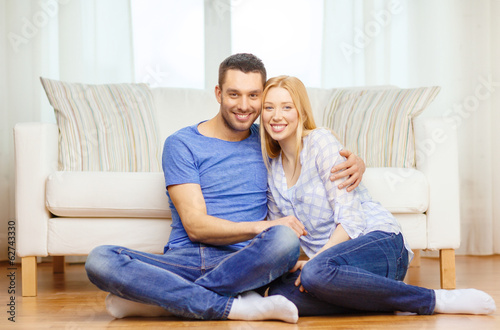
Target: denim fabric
364,274
198,281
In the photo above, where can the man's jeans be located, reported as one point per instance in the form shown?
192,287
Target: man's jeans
198,281
362,274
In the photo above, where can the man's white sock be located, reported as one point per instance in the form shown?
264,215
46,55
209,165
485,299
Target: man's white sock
251,306
464,301
120,308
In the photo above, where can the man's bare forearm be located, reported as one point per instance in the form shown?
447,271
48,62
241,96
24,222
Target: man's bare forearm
201,227
215,231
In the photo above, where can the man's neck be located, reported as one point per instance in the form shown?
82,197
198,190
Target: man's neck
217,128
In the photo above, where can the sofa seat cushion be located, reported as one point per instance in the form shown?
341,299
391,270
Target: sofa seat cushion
107,194
142,194
399,190
414,228
78,236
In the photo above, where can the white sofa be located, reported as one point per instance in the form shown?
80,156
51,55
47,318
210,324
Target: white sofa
69,213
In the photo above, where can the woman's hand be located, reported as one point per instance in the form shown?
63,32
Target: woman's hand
353,168
339,235
289,221
299,265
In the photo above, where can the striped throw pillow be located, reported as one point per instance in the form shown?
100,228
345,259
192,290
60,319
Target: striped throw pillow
377,124
105,127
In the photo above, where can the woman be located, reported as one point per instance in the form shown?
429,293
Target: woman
358,256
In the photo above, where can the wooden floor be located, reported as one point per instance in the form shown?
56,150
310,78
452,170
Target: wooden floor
70,301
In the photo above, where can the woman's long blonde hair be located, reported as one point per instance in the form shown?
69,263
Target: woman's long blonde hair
270,147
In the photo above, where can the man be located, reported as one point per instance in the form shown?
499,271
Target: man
221,246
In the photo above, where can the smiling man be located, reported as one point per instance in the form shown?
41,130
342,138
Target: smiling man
239,96
221,247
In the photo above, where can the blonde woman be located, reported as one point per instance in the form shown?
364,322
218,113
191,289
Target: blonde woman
358,256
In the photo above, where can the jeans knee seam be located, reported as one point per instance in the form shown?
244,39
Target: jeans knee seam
159,261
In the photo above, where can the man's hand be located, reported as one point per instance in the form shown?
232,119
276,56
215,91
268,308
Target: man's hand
201,227
353,168
292,222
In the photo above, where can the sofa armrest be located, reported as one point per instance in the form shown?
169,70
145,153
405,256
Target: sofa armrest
36,153
437,157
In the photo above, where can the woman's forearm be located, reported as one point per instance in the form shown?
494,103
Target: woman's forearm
339,235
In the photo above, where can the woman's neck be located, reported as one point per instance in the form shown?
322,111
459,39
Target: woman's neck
290,162
288,151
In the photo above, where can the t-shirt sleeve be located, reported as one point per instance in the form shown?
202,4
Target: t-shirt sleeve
346,205
178,162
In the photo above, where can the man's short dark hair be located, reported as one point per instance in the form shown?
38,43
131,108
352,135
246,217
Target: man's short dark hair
243,62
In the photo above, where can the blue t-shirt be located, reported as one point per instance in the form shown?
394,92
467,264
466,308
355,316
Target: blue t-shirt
232,176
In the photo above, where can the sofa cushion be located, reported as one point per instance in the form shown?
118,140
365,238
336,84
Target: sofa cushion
107,194
78,236
377,124
105,127
142,194
399,190
318,98
414,228
180,107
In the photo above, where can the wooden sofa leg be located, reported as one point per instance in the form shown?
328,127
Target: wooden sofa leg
447,267
28,281
58,265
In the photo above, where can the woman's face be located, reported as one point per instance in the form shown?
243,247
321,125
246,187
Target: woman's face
279,115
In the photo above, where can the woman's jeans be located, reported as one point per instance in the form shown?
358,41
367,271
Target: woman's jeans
198,281
362,274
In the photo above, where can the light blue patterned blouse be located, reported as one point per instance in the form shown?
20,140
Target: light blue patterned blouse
318,203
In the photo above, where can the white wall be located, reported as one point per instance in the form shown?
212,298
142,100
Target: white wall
6,177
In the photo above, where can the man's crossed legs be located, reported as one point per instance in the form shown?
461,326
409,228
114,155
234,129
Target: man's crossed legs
202,281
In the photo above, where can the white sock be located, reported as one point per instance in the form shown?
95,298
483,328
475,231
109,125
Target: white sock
464,301
120,308
251,306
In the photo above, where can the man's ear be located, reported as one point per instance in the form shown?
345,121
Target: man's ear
218,94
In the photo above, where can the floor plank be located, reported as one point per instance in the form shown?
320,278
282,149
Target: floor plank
70,301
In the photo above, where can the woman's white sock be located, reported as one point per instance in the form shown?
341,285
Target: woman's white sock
464,301
120,308
251,306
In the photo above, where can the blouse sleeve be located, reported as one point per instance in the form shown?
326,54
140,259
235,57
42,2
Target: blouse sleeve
346,205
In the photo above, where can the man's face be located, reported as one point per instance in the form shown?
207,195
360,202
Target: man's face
240,99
